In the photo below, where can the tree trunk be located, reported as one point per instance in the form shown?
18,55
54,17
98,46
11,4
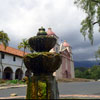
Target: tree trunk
1,63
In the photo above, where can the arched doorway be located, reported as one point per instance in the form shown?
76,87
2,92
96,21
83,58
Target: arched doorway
66,74
7,74
18,74
28,73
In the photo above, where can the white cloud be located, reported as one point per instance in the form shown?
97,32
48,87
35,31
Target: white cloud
22,18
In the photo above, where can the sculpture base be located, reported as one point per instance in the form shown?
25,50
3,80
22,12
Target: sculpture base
42,87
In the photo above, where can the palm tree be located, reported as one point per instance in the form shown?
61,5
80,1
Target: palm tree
4,39
24,44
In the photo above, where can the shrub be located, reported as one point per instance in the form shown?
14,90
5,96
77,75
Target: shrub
15,81
2,81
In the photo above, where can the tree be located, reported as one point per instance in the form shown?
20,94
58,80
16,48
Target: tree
79,73
87,74
24,44
92,10
97,53
4,39
95,72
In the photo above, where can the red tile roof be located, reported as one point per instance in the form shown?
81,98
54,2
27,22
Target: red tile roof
50,32
65,44
12,51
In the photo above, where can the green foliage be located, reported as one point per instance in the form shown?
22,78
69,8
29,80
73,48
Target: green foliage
24,44
11,81
4,38
95,72
78,74
92,10
36,90
41,90
88,73
48,54
82,69
15,82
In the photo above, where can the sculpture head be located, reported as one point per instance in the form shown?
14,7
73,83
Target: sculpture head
41,31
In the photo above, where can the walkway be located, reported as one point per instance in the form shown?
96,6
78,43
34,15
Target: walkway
72,90
61,96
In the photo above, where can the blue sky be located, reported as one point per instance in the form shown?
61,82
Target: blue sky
22,18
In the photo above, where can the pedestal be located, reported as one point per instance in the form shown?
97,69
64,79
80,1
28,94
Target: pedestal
42,87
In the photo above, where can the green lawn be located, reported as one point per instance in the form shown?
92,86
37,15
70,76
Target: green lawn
11,81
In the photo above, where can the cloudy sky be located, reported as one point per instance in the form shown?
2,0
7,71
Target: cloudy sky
22,18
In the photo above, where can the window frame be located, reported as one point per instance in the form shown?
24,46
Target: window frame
2,55
14,58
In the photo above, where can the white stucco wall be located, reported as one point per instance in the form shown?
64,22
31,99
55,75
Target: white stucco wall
59,72
9,60
72,69
14,65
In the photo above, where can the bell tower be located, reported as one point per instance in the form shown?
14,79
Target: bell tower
51,33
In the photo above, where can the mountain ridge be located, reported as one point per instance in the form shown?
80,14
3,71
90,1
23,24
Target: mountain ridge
85,63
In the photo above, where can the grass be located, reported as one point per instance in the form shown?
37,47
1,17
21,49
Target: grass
15,82
74,80
2,81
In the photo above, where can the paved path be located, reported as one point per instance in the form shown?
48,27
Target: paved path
90,88
61,96
11,86
75,89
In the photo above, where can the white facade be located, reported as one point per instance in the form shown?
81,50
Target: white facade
11,66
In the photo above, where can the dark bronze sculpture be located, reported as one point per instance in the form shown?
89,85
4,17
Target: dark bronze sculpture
42,85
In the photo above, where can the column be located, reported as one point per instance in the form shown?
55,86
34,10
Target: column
13,76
